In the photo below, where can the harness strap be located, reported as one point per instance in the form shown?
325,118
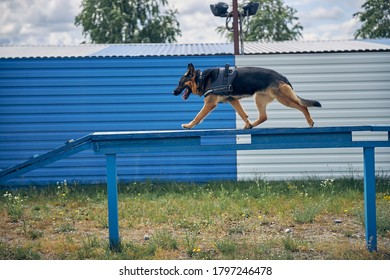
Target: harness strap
220,90
223,84
199,80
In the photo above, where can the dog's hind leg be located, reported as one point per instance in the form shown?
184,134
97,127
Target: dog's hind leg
240,111
262,99
286,96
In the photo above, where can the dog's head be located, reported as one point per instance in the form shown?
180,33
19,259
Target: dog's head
188,82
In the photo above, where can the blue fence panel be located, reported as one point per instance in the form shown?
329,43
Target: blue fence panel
46,101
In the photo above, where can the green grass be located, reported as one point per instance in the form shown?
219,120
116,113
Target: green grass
219,220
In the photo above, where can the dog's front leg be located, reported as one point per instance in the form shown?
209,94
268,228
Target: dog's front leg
208,106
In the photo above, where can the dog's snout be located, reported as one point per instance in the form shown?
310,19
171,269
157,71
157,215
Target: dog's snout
179,89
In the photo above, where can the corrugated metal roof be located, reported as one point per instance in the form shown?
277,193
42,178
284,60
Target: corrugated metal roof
314,47
49,51
134,50
141,50
116,50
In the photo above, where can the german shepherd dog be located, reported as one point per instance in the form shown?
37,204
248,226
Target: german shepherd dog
264,84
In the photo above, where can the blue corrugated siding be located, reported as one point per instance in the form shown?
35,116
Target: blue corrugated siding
44,102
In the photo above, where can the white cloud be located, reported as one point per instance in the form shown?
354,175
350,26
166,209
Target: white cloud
52,21
327,19
322,13
333,31
197,23
39,22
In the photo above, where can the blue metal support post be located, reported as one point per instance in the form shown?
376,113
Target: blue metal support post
112,193
370,198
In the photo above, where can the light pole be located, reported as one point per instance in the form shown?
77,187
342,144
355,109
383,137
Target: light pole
248,9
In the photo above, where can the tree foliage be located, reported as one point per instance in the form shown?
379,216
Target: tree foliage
274,21
375,19
128,21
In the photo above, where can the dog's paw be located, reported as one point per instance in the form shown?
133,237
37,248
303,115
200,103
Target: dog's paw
186,126
247,126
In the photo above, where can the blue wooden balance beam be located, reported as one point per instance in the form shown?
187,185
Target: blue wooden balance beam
113,143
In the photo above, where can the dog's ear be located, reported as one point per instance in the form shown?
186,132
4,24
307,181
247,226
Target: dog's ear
191,70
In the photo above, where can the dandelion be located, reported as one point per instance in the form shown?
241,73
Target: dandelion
387,197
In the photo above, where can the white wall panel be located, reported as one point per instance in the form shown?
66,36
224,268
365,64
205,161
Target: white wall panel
353,88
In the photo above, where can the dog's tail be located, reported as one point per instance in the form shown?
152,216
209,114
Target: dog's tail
309,103
288,89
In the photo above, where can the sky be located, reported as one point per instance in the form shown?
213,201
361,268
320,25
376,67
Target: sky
51,22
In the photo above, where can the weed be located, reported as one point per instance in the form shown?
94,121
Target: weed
14,205
237,229
35,234
18,253
262,251
328,186
64,228
227,247
307,213
383,217
91,247
190,241
291,244
133,251
63,191
165,240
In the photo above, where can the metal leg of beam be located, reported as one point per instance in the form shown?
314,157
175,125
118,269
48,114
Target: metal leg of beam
112,193
370,198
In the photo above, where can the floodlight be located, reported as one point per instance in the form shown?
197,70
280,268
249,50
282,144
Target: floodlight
250,8
219,9
236,18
